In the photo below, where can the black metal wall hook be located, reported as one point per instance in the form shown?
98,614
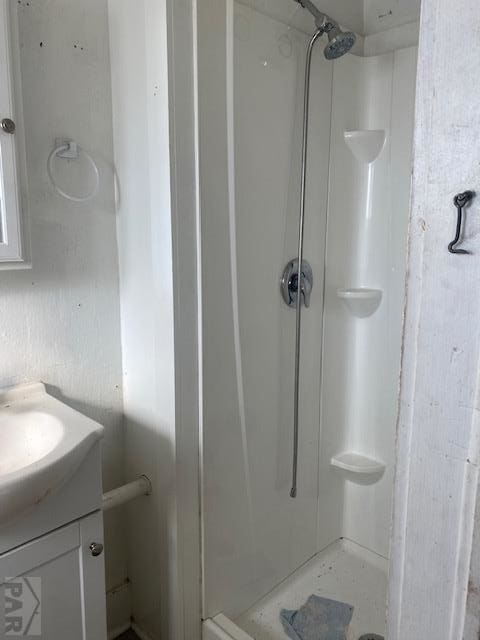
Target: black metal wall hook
461,200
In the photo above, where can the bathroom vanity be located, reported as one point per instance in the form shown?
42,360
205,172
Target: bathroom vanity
52,576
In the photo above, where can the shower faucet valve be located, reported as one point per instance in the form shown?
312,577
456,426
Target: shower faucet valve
290,283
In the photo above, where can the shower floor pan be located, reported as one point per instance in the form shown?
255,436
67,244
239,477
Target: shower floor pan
343,571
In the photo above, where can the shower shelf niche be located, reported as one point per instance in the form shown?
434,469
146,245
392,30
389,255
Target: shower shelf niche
361,302
357,464
366,145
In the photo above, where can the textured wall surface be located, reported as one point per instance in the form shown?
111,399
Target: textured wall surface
59,321
438,434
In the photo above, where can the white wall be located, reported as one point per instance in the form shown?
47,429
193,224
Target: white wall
141,139
362,16
348,12
381,15
59,321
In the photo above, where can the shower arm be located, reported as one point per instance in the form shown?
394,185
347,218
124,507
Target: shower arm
324,23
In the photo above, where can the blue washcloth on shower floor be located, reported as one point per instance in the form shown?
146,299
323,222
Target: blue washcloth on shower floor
318,619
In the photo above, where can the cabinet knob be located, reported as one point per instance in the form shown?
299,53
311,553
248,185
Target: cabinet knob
96,548
7,125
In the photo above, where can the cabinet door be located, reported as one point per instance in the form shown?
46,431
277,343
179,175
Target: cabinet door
10,233
53,587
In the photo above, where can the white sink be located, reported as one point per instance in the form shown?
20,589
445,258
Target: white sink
42,444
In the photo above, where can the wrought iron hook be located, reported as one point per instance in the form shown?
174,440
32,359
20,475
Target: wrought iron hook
461,200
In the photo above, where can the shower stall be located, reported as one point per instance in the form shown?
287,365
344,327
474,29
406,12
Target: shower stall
264,546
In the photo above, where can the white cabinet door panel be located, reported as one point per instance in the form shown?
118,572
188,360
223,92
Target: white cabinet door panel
53,587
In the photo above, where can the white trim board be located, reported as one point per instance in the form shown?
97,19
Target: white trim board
185,585
437,467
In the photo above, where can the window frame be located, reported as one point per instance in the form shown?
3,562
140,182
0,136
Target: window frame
11,241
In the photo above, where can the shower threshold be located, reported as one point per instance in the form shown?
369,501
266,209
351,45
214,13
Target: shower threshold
344,571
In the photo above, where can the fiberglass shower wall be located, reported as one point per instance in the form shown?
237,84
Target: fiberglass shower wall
251,71
251,101
369,202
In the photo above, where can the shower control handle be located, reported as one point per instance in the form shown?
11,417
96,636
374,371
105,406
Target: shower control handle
306,289
289,284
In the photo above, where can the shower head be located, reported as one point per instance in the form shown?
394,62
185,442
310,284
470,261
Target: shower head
339,42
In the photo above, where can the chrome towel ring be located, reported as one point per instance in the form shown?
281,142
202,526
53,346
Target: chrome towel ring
69,149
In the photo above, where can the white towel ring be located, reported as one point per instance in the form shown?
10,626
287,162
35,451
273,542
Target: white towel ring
62,149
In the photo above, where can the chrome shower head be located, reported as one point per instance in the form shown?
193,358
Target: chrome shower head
339,43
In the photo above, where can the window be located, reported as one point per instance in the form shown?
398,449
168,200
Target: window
10,209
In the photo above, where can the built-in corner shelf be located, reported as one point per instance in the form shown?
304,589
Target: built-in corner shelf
357,464
361,302
366,145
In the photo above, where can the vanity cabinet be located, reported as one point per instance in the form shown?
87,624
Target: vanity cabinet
58,591
52,573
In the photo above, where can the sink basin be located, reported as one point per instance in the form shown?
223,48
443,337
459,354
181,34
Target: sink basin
43,442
